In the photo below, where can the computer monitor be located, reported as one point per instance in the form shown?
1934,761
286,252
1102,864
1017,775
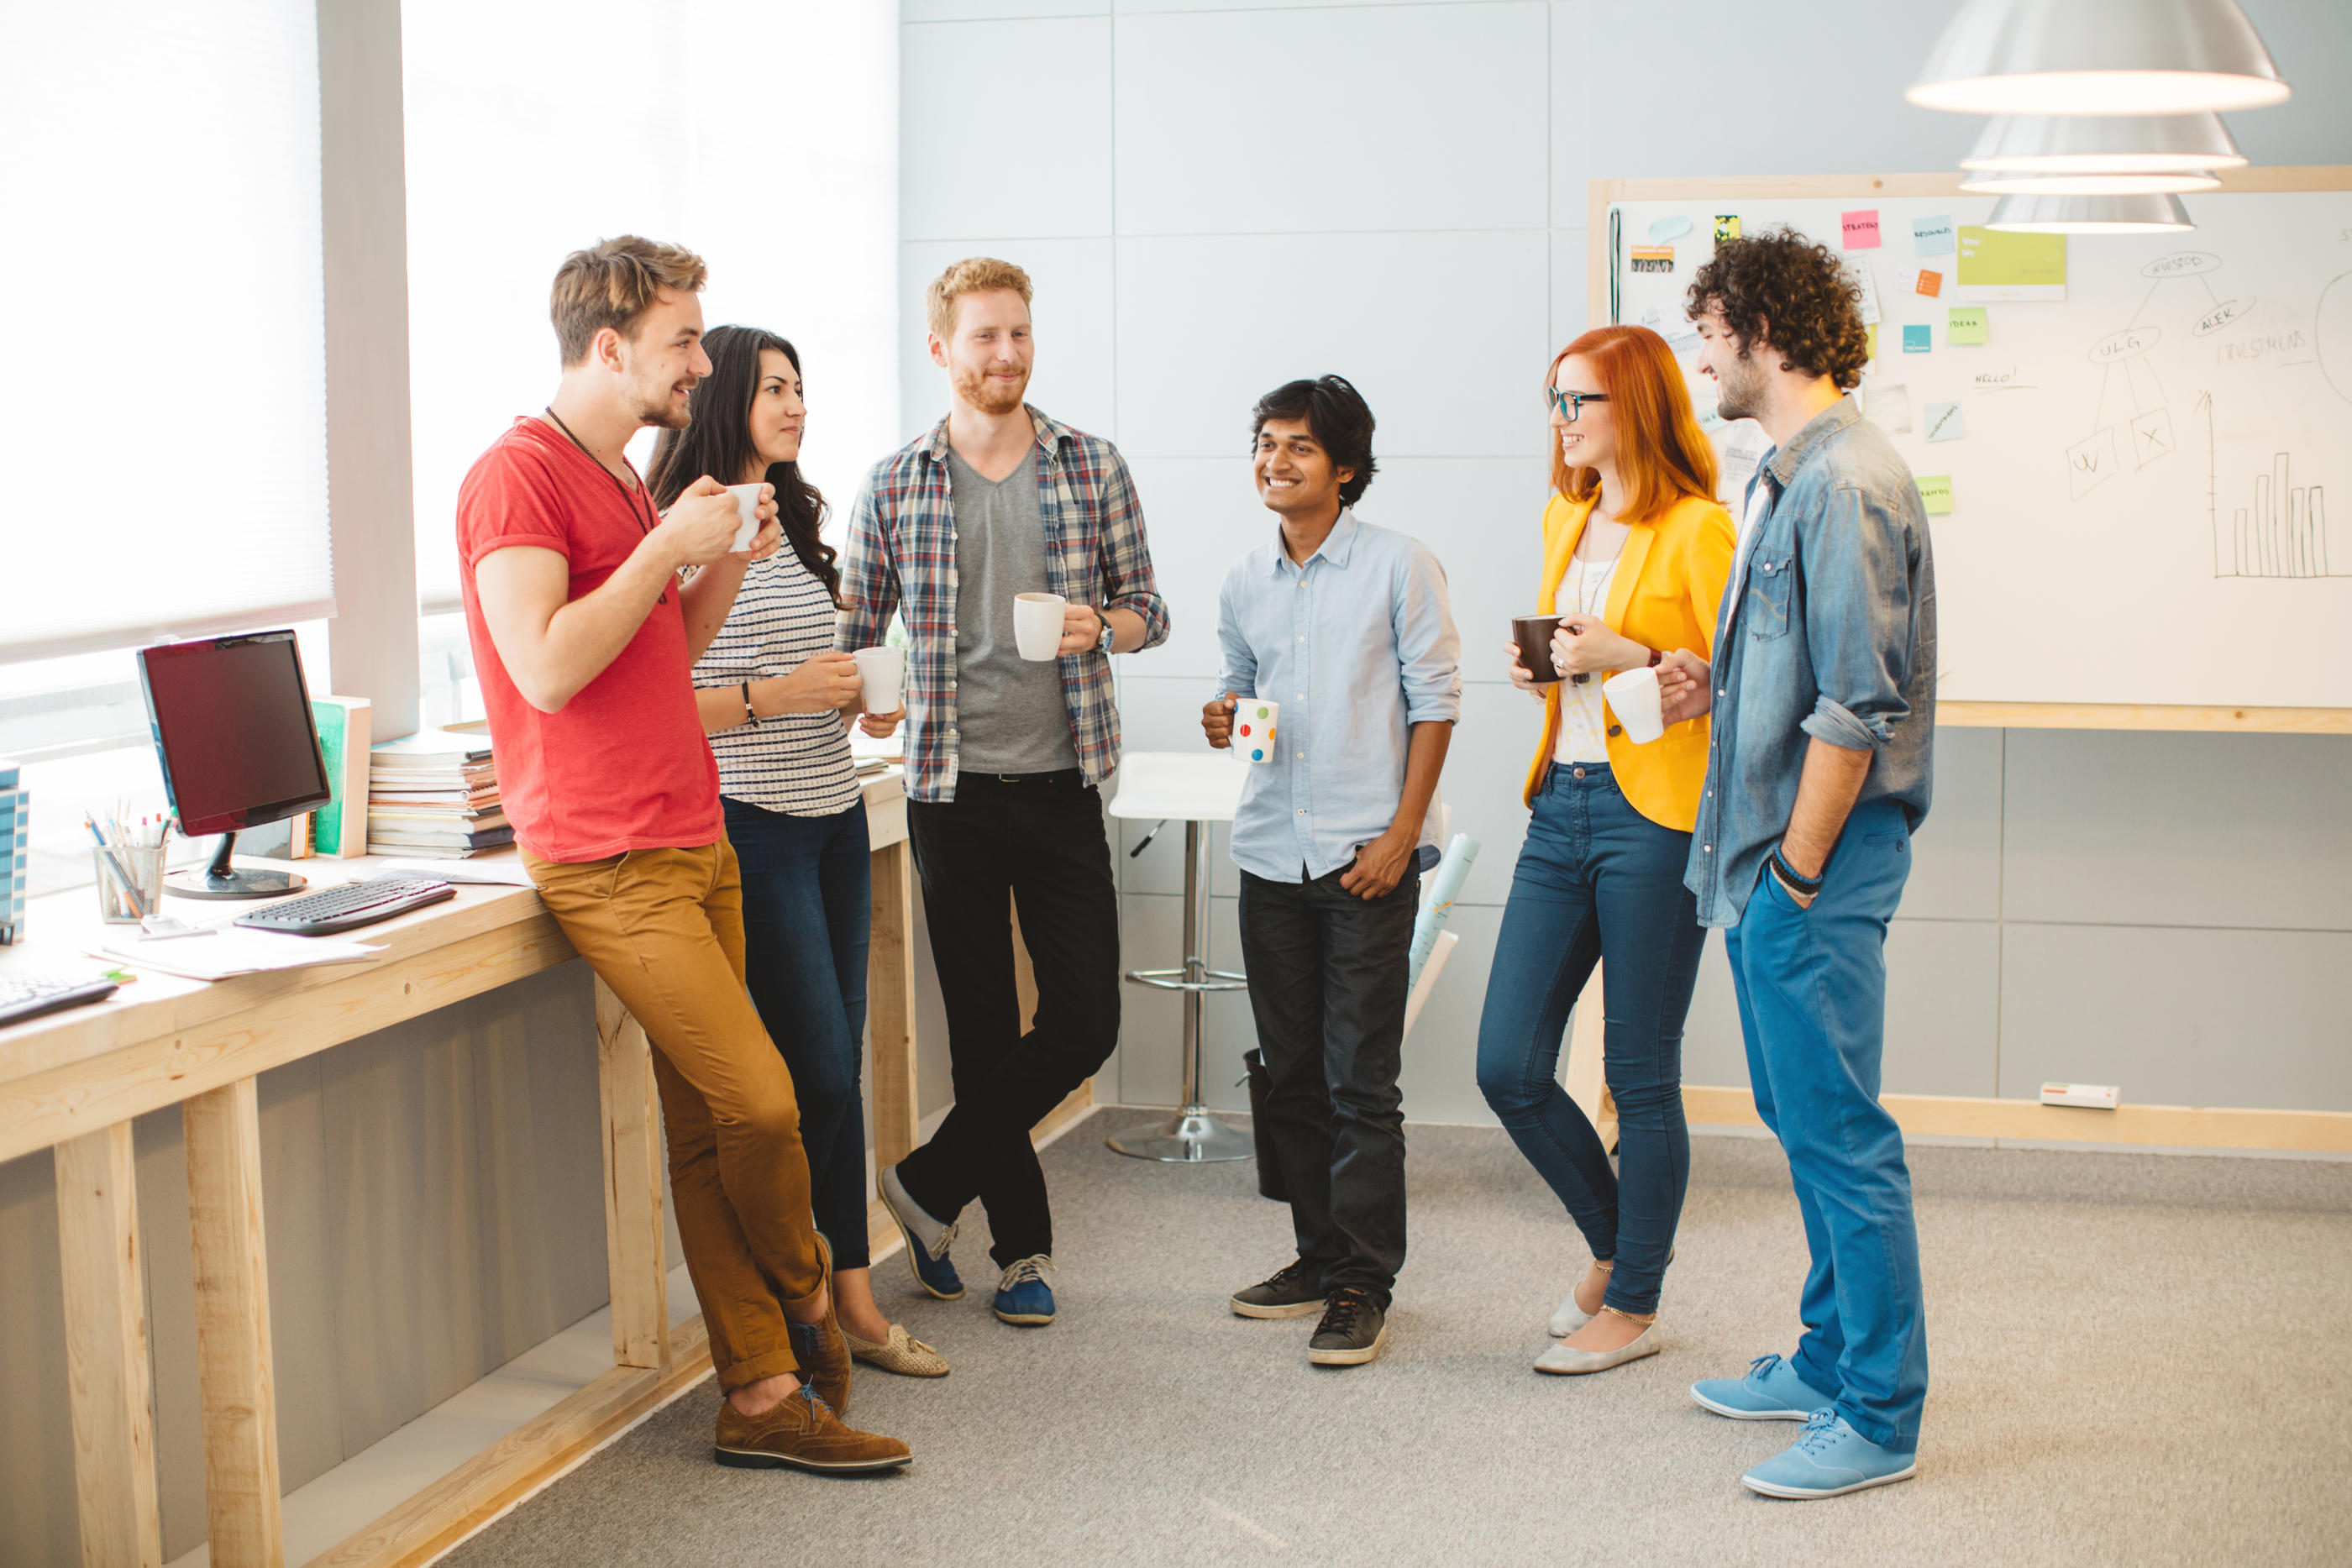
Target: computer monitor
239,748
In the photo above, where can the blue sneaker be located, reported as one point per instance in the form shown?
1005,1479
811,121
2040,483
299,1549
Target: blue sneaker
1830,1461
1022,1297
1770,1392
927,1240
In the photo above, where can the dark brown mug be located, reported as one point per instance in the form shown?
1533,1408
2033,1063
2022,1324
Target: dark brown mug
1533,634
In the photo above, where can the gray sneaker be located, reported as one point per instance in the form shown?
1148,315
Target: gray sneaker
1295,1293
1352,1330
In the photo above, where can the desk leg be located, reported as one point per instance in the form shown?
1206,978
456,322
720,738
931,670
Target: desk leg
240,1403
635,1248
106,1351
890,1004
1586,1084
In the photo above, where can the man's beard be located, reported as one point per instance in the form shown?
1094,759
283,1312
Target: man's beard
976,389
1739,388
658,410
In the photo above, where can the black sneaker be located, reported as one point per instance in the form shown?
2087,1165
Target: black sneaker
1351,1333
1293,1293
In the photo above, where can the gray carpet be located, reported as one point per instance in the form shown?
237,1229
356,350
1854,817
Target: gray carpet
2138,1359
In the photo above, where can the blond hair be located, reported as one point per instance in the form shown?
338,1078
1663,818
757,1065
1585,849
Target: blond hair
972,275
612,284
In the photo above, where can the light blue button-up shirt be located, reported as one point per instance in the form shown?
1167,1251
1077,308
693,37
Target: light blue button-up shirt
1358,647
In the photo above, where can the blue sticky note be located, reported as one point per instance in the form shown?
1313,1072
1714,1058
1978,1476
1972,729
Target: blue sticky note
1669,228
1931,236
1916,339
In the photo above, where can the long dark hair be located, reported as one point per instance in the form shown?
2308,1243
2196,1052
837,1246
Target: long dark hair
718,443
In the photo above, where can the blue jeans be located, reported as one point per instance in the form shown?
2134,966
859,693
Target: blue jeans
1812,1004
1597,881
807,907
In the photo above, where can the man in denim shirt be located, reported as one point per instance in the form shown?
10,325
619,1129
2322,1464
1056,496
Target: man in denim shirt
1823,692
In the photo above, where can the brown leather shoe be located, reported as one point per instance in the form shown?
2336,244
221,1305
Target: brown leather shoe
802,1433
821,1349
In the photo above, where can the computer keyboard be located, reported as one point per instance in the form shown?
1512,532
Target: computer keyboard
351,904
29,996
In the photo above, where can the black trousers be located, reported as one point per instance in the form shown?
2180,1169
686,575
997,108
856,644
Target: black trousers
1327,982
1039,839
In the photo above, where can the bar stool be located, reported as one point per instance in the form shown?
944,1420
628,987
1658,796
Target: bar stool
1199,789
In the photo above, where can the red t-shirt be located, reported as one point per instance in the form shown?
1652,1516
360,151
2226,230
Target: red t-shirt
624,764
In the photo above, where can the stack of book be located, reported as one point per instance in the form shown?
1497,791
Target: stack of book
435,795
15,834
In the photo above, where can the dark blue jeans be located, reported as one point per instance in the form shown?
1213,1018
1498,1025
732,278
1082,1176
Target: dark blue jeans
807,907
1812,1004
1597,880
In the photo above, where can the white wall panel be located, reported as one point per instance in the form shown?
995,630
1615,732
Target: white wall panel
1004,129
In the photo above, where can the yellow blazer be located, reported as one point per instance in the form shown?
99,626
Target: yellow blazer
1669,583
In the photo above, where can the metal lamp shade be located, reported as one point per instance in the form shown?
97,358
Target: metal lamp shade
2104,144
1996,185
2098,57
2048,214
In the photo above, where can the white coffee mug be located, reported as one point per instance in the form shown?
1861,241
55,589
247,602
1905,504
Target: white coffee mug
1254,726
881,673
1633,695
1037,624
747,510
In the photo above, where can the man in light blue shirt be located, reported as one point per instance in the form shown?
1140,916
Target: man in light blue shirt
1344,627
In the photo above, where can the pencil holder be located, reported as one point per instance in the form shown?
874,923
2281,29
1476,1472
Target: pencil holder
144,861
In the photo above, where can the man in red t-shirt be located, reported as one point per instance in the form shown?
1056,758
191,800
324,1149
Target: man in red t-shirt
586,633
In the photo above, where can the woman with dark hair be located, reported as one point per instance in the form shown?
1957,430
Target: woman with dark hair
1636,553
776,701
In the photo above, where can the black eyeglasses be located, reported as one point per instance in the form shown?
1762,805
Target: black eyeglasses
1568,406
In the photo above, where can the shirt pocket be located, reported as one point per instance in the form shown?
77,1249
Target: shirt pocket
1771,582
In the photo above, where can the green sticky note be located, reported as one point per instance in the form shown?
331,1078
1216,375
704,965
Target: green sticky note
1968,325
1936,492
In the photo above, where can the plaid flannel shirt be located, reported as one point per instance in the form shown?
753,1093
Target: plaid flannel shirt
902,554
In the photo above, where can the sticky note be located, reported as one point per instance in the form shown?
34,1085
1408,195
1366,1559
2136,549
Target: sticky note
1919,337
1931,236
1653,258
1935,493
1930,283
1889,408
1669,228
1968,325
1872,331
1946,423
1727,226
1861,229
1997,264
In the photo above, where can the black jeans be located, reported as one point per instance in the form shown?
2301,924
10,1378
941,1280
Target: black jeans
1039,839
1327,983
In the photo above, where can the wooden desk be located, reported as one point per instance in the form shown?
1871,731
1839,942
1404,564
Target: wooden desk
72,1082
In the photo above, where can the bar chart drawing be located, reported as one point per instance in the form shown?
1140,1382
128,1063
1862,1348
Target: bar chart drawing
2282,532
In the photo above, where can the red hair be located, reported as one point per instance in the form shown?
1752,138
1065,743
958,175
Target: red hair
1662,453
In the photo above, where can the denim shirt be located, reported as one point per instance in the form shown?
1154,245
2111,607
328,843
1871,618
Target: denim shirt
1827,631
1358,645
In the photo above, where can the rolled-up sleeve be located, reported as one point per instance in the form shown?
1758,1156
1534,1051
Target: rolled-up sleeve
1429,653
869,578
1128,580
1858,609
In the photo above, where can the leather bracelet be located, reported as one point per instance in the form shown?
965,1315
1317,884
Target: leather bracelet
1657,657
1810,886
750,714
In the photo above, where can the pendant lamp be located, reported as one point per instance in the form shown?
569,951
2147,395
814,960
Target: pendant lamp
2052,215
2104,144
2098,57
2005,184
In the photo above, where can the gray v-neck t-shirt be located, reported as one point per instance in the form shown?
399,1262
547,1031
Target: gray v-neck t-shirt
1011,716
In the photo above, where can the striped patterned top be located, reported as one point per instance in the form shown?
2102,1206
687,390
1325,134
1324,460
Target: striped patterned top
797,763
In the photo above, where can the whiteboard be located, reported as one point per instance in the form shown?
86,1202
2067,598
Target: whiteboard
2151,495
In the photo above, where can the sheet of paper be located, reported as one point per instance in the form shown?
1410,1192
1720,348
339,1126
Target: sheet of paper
1946,421
1669,228
1919,337
1889,408
1739,448
1998,265
1860,229
1930,283
1670,324
1967,325
1935,493
233,951
476,872
1727,226
1865,283
1931,236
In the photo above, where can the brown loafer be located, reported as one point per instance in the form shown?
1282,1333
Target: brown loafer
902,1353
802,1433
821,1350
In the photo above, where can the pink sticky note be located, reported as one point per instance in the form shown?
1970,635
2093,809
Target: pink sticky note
1931,284
1861,229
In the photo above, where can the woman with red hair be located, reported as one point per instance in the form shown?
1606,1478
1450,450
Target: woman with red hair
1636,553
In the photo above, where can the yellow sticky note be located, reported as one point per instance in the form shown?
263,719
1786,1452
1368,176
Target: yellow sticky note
1872,331
1726,225
1935,493
1997,265
1967,325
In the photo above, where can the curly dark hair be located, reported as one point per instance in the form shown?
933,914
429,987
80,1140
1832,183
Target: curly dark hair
1340,418
1791,293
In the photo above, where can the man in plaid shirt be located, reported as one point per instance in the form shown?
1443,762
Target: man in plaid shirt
1004,756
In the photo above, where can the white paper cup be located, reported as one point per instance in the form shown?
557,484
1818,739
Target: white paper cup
1253,726
747,509
1633,696
1037,624
881,672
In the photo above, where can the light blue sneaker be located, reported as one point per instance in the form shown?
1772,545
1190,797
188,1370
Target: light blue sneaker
1022,1297
1830,1461
1770,1392
927,1240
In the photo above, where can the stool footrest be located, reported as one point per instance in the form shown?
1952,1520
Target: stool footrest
1176,980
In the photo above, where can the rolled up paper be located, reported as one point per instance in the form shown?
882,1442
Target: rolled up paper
1437,896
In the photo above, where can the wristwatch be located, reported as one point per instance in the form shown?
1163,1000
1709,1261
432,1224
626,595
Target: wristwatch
1109,634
